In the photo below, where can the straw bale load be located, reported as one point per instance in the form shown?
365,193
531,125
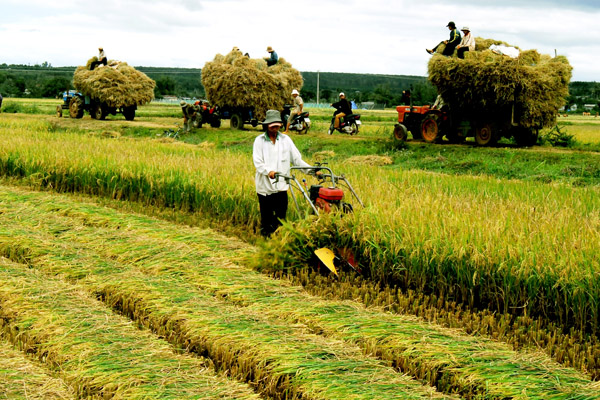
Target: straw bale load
117,85
235,80
486,82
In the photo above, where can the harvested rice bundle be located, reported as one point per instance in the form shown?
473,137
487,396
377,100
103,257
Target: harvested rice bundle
238,81
117,85
486,82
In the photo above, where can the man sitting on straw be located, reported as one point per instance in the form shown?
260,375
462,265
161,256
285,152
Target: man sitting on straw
450,44
272,60
101,59
466,44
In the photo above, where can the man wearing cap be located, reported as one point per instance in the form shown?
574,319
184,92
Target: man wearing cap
101,59
272,60
451,43
298,106
273,152
466,44
342,108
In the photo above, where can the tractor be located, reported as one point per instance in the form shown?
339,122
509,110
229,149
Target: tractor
77,103
432,123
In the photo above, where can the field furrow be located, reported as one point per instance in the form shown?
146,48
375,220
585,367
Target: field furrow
98,353
25,379
282,360
160,275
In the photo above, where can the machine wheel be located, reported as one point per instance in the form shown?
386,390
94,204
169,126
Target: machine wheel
304,129
331,129
98,112
236,121
59,111
354,130
129,113
430,128
485,135
197,121
76,107
400,133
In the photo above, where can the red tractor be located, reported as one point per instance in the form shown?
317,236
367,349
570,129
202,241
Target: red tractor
432,123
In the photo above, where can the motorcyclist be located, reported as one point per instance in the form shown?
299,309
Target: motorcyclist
298,106
342,109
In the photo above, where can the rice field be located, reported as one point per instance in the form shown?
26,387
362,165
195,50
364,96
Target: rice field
476,286
67,253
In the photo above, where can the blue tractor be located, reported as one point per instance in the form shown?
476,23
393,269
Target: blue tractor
77,103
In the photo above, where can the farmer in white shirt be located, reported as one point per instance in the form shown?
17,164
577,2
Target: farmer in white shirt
273,152
466,44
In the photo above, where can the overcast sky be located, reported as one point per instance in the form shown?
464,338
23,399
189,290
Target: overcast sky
362,36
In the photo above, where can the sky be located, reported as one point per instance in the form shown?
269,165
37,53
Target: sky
355,36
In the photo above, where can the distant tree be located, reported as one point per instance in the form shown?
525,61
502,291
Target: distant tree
383,95
165,85
308,95
325,95
55,87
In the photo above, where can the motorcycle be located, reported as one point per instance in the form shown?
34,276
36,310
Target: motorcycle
349,124
300,122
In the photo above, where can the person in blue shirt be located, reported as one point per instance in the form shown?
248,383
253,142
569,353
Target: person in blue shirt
272,60
451,43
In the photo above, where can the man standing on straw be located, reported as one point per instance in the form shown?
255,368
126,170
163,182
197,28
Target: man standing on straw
272,153
466,44
450,44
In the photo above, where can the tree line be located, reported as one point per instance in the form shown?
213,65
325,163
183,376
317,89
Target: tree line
46,81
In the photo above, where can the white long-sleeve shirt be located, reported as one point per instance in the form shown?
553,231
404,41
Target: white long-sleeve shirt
278,157
468,41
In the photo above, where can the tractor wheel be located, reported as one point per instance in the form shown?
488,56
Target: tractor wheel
485,134
430,128
400,133
98,112
129,113
236,122
59,111
76,107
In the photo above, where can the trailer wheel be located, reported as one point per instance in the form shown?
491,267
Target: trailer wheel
129,113
98,112
215,122
76,107
430,128
59,111
400,132
525,137
236,121
485,134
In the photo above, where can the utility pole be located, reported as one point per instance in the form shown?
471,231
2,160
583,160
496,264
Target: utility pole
317,87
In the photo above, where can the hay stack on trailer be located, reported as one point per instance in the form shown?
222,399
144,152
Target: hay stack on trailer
518,96
235,81
116,85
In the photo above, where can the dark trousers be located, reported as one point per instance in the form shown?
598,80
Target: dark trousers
273,208
94,64
448,50
461,52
